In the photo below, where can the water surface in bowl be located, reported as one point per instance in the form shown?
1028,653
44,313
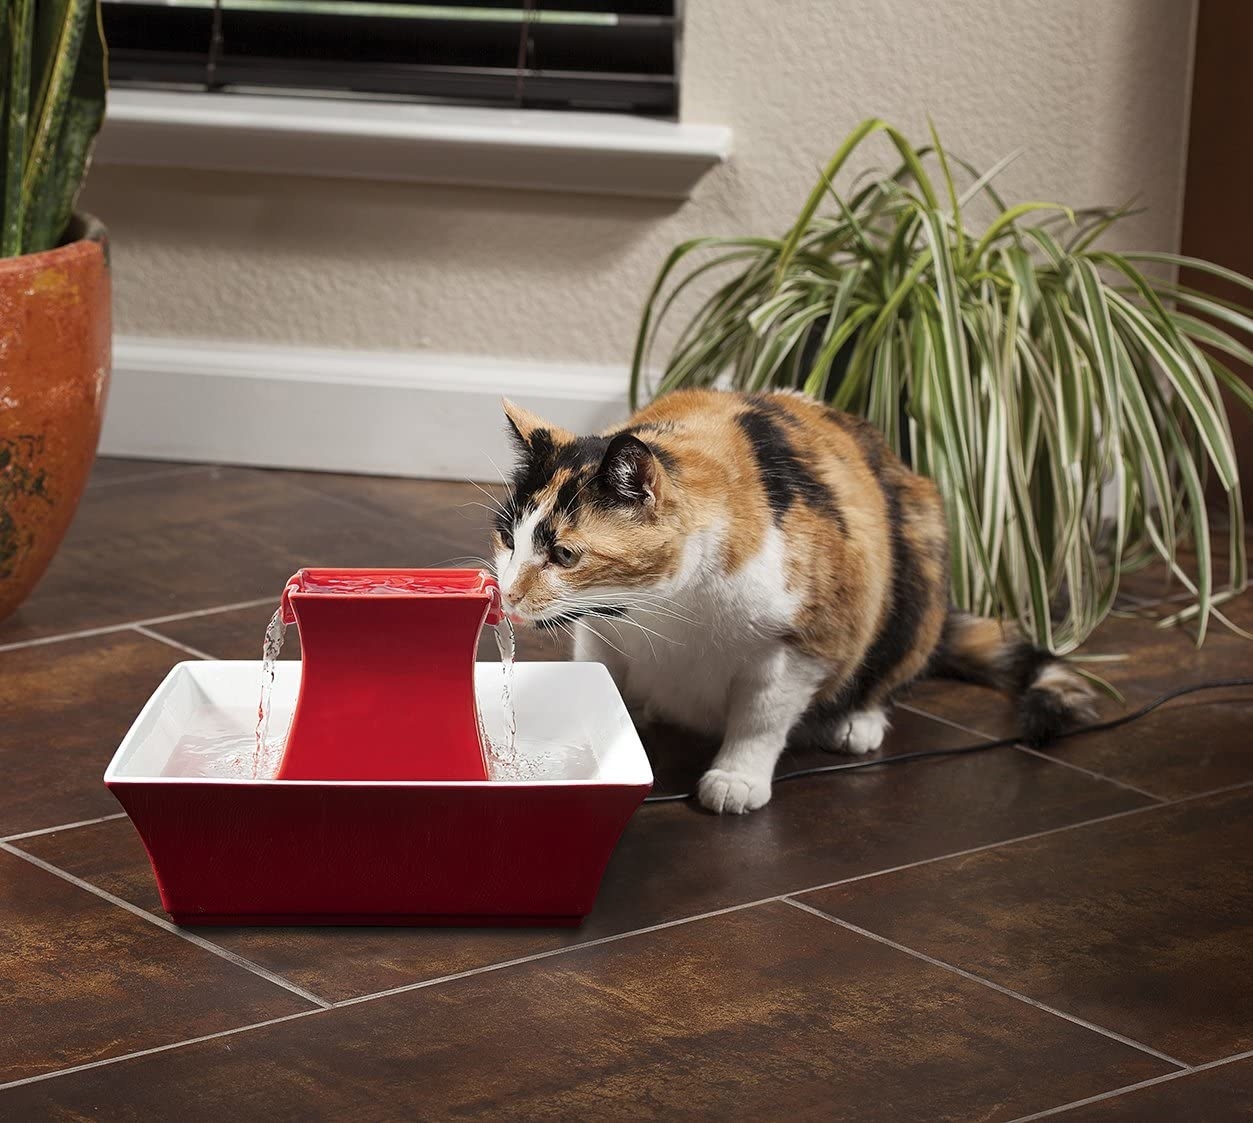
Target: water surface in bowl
220,742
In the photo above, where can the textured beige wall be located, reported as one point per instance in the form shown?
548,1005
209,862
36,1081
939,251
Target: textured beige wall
1094,90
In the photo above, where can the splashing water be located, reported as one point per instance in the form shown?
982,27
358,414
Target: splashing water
506,751
275,633
544,760
218,743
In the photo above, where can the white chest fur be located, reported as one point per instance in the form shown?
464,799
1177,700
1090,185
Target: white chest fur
683,648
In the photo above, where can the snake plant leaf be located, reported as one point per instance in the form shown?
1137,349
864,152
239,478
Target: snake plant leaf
15,49
70,52
53,105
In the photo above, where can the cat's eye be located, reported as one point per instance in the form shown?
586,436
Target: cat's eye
506,536
563,555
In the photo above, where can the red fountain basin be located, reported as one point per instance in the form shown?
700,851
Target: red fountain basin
526,847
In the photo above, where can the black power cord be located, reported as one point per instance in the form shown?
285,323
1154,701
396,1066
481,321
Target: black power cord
983,746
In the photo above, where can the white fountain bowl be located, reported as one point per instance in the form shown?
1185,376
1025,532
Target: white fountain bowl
563,703
232,849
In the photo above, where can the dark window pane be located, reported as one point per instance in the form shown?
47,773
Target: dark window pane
574,53
158,42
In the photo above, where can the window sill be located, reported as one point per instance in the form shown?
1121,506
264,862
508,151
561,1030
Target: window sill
577,152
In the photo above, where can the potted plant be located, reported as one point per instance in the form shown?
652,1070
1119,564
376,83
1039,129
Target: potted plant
1064,397
54,280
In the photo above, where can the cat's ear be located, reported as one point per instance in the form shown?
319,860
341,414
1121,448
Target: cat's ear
526,427
630,471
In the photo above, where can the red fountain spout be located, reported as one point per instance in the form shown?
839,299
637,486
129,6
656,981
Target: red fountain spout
387,673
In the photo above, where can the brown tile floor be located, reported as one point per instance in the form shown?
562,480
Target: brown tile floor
994,936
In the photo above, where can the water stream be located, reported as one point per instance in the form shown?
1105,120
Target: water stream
275,633
266,756
506,752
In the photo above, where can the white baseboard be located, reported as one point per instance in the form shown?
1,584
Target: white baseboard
429,416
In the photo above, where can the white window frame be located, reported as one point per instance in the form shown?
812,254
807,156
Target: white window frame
598,153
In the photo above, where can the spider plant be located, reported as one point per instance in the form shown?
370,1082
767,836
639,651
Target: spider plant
52,93
1063,397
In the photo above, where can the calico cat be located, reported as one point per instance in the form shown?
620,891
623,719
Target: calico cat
753,567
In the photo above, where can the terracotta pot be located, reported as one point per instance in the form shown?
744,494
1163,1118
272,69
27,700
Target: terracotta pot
55,352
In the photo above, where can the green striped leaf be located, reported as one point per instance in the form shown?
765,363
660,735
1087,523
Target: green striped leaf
1066,404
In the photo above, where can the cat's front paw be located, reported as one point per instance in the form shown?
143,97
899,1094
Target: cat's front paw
732,793
861,733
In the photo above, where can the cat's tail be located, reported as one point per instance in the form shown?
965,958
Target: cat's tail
1049,694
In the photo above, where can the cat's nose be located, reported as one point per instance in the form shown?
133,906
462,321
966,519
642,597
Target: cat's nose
516,592
508,606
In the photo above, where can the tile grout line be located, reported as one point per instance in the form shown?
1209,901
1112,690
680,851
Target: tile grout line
64,827
165,925
331,497
184,647
535,956
787,894
1033,752
1022,838
86,633
486,968
317,493
831,919
144,477
1149,1083
826,884
109,629
377,513
945,721
105,1061
1087,772
196,613
325,1007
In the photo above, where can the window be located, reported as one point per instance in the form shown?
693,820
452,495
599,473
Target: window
612,55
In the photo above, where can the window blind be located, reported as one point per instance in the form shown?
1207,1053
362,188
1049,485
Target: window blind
613,55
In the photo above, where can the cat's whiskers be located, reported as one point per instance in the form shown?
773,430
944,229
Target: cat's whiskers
492,511
637,596
624,614
644,607
647,631
466,558
496,467
567,629
588,608
660,615
605,639
614,622
596,612
668,612
634,595
652,649
496,504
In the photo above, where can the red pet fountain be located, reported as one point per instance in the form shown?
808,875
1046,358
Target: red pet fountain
387,805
